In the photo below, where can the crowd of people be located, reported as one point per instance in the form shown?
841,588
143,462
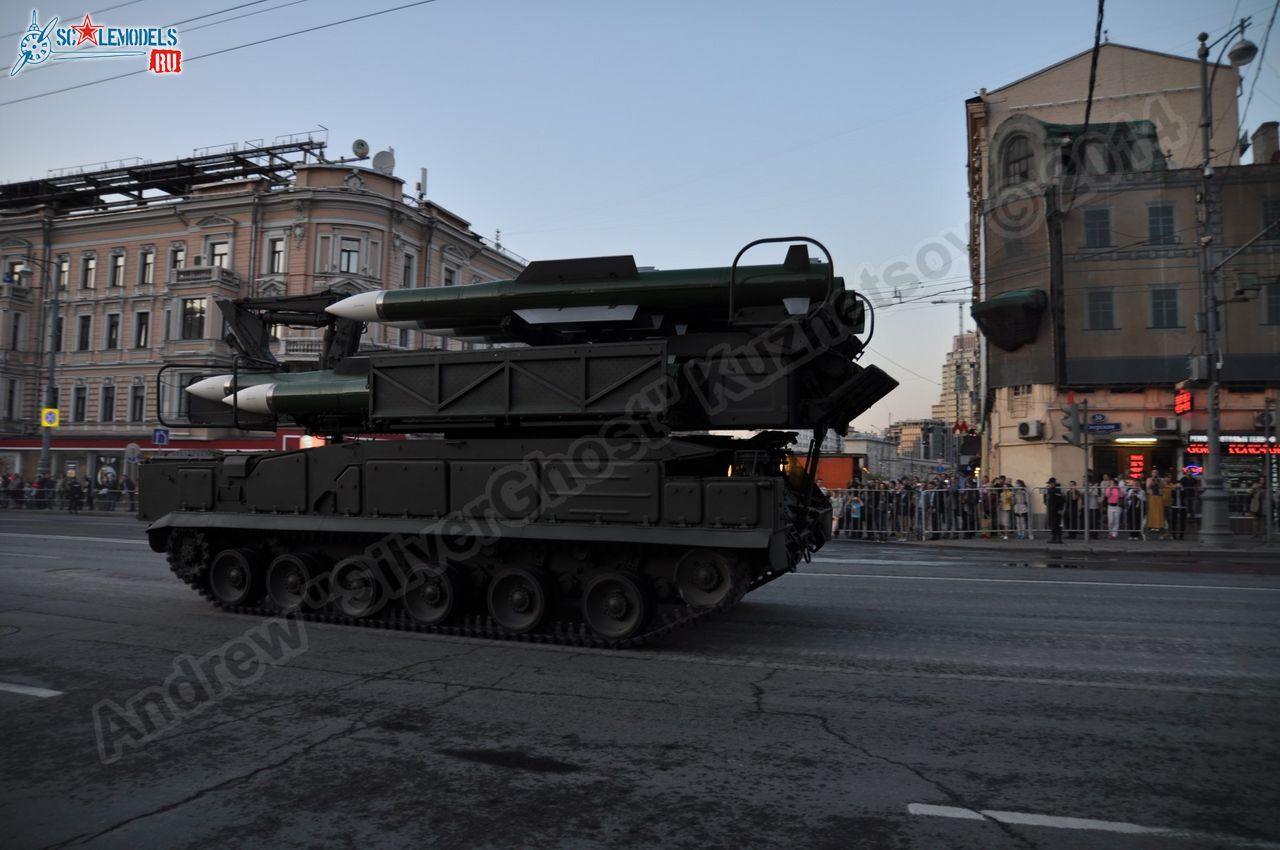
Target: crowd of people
67,492
1156,506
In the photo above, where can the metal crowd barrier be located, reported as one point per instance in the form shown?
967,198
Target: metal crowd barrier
895,512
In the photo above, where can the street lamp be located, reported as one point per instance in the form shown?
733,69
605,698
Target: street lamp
45,466
1215,523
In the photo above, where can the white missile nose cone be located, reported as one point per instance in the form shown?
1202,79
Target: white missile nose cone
362,307
213,388
253,399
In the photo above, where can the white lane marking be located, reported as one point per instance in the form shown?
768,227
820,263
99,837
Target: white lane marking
27,690
1045,581
129,540
943,811
1053,822
29,555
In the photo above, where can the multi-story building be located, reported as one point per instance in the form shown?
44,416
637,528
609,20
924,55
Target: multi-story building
957,395
1087,264
127,262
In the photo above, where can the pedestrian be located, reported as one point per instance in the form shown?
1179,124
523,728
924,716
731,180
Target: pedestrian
1006,507
75,493
1178,498
1112,495
1135,508
1259,507
130,491
1021,509
854,506
1054,502
1190,487
1075,509
17,491
1155,503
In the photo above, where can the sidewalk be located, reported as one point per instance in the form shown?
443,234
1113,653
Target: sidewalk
1241,547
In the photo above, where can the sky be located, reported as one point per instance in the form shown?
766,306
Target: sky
674,131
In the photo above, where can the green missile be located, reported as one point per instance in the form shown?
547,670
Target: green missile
220,386
573,294
326,394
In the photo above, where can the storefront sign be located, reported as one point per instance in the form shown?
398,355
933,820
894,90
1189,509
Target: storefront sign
1236,449
1182,402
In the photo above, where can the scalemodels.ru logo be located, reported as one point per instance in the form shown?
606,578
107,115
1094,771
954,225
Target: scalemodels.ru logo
97,41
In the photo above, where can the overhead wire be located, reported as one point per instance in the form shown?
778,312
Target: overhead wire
1088,104
1257,72
91,14
222,51
43,68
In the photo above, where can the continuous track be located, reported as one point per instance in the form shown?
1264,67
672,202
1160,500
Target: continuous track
194,571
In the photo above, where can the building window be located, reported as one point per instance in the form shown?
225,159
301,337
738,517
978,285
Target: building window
193,310
1271,297
15,332
1271,218
1160,225
141,329
10,399
1019,390
1100,310
115,274
450,276
64,272
404,338
1017,160
137,403
84,338
1097,228
146,268
57,333
220,254
178,257
406,275
1164,307
88,273
349,255
275,256
113,331
79,401
107,404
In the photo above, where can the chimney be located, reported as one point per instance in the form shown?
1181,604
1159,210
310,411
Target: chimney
1266,140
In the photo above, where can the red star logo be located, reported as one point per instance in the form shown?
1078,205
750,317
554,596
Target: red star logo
88,31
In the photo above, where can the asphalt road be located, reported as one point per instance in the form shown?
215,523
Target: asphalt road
879,698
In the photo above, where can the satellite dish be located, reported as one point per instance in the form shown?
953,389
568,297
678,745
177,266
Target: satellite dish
360,148
384,162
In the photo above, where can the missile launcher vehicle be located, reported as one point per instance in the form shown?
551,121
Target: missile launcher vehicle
570,482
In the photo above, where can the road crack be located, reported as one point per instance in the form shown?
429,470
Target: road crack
953,796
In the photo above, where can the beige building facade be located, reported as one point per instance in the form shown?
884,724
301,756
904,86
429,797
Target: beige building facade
1087,265
128,274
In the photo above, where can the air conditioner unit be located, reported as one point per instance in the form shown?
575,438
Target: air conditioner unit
1031,429
1164,423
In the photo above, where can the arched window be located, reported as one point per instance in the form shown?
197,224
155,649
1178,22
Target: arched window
1017,160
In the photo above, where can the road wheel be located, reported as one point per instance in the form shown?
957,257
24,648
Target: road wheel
294,581
436,595
616,606
358,587
519,599
704,578
235,576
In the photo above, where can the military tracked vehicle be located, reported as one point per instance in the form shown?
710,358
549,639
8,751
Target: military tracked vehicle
564,483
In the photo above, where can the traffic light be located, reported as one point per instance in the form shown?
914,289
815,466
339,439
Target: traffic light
1072,427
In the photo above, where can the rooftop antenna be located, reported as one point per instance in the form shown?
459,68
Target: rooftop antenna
384,162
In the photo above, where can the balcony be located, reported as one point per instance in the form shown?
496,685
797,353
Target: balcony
204,277
303,349
15,292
